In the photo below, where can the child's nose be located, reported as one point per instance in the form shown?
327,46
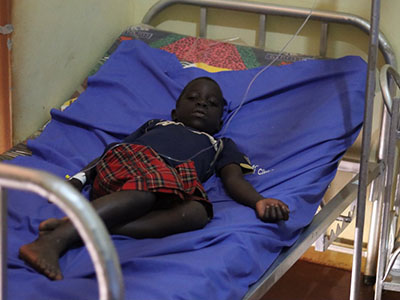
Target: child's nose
201,102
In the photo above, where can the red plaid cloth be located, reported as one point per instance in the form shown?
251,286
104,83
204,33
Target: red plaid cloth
138,167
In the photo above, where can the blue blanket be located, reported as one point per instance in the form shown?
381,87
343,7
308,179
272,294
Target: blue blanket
294,125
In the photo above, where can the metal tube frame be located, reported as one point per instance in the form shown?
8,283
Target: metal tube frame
203,22
385,85
392,107
374,231
261,30
82,215
323,46
383,244
365,149
373,241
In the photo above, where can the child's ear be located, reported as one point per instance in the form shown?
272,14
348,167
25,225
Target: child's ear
173,115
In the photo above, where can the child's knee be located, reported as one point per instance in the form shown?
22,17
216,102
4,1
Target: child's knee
194,214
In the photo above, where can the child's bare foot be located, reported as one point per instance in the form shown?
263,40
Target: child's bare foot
50,224
41,256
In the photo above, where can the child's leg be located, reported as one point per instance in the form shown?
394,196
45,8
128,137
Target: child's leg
114,209
183,217
159,223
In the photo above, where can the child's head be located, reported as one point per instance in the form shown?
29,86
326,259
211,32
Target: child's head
200,105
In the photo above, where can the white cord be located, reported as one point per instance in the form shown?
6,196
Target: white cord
227,123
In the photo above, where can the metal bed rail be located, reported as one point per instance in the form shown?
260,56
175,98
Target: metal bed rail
388,254
310,234
81,214
264,9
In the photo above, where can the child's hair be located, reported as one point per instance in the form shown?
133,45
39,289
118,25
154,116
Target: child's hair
224,103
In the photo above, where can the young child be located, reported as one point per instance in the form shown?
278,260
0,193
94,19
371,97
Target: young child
149,185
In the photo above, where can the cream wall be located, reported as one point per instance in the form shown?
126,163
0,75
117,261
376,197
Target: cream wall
55,44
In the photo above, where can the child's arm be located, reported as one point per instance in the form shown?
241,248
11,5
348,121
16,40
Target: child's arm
84,176
267,209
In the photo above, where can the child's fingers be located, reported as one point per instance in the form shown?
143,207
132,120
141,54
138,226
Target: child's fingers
285,214
268,214
274,213
279,214
283,206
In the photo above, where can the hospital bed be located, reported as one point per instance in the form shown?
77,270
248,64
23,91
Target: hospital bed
197,56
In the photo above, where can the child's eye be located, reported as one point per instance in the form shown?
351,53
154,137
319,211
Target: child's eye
213,102
192,97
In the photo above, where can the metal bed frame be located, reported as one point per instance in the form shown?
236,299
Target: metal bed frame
97,240
388,253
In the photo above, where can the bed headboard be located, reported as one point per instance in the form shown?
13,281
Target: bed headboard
264,10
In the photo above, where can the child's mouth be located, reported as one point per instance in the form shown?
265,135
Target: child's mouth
199,114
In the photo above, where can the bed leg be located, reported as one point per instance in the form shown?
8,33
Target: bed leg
365,149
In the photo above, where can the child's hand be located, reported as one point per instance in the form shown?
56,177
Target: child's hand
76,184
272,210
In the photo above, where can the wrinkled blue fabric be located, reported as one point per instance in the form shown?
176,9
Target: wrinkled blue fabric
295,125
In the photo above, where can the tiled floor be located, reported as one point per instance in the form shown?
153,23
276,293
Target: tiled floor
309,281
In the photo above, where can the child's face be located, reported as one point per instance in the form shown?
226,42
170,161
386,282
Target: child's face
200,106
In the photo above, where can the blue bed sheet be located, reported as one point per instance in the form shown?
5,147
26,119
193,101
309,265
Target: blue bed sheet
295,125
